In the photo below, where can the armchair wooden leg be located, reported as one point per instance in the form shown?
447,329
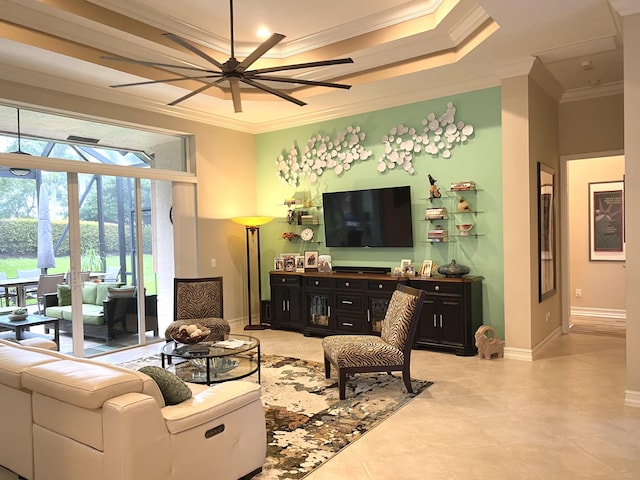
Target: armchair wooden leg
327,368
342,383
406,376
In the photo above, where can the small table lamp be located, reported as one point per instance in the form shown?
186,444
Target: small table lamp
252,224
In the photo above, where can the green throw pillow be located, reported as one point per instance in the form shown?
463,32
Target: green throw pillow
122,292
173,389
64,295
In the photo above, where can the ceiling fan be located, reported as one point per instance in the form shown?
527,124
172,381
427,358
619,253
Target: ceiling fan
235,71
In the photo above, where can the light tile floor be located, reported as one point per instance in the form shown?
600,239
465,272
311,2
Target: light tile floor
560,417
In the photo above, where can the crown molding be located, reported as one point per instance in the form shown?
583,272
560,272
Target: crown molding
587,93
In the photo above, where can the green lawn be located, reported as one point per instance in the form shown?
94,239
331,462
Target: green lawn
10,266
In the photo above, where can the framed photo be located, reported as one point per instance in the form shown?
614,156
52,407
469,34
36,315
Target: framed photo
278,263
311,259
300,263
606,221
397,272
289,261
546,232
427,268
404,264
410,271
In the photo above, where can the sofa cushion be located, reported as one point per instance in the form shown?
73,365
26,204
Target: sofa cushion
83,384
64,295
121,292
173,388
89,293
13,362
103,291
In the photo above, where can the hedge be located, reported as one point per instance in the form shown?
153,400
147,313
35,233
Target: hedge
19,237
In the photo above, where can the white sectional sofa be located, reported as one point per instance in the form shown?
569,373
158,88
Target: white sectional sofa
75,419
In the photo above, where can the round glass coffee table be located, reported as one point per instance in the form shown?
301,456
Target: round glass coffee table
214,362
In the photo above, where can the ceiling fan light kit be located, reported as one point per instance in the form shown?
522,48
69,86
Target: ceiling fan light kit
236,72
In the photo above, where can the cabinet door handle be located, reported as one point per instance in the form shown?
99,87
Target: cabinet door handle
347,302
317,283
288,306
345,324
284,280
329,311
380,286
437,289
440,320
435,324
284,305
368,315
346,284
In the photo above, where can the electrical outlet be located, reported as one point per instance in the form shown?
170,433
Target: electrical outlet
214,263
578,292
548,316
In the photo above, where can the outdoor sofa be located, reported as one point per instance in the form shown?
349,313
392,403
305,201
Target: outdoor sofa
108,310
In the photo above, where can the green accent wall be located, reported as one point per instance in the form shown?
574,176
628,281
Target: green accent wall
479,159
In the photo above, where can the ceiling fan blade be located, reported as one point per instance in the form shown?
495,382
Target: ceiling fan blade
271,78
155,64
166,80
193,49
322,63
235,94
267,45
273,91
195,92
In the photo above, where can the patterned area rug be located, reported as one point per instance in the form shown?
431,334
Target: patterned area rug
306,422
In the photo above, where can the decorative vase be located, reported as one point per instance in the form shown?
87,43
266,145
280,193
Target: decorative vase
453,269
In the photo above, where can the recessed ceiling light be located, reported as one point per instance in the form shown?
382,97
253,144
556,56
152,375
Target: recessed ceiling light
263,32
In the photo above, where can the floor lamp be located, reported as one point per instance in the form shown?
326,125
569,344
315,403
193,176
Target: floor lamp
252,225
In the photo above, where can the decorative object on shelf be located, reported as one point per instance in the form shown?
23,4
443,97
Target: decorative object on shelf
321,153
289,201
410,271
437,235
463,206
434,191
192,333
306,235
405,263
464,228
438,137
18,314
252,225
278,263
489,343
462,186
290,216
453,269
308,201
300,263
311,259
435,213
290,236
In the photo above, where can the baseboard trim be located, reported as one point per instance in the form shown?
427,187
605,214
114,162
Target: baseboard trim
604,313
632,398
529,355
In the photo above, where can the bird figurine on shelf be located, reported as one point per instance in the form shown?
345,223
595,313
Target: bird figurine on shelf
463,205
434,191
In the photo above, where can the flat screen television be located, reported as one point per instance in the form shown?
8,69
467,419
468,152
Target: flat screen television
379,217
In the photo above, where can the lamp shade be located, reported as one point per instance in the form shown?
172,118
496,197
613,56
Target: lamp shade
251,221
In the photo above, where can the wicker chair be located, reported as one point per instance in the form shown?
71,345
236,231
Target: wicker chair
350,354
198,300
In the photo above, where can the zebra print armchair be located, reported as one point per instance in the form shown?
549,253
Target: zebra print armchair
350,354
198,300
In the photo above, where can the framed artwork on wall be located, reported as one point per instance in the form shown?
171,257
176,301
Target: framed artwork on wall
546,232
606,221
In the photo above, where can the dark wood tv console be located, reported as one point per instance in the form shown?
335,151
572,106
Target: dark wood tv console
355,303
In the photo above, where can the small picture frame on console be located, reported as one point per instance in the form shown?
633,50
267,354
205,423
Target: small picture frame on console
278,264
404,264
427,268
300,263
311,259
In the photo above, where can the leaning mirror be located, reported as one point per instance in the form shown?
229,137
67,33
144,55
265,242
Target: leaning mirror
546,232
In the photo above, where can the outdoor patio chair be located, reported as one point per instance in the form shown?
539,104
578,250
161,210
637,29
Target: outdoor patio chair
48,284
30,292
111,275
391,351
198,300
6,293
